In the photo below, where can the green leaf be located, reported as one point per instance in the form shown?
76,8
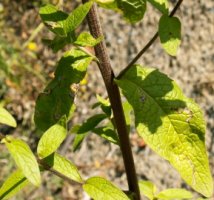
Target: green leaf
78,140
61,23
148,189
7,118
13,184
108,134
170,123
76,17
174,193
86,39
49,13
63,166
52,138
88,125
104,104
57,99
170,34
99,188
161,5
24,159
53,19
108,4
127,112
59,42
91,123
133,10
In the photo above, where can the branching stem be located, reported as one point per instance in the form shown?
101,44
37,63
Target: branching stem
115,100
152,40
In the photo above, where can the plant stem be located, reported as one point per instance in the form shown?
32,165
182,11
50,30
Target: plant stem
55,172
115,100
152,40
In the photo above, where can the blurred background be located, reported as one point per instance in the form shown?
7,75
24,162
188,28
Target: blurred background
26,66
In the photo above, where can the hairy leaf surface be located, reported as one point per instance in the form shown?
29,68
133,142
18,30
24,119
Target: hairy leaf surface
171,124
99,188
12,185
6,118
52,138
170,34
24,159
63,166
57,99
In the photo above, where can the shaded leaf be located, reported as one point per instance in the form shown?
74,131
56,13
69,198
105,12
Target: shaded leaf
7,118
148,189
82,130
161,5
57,99
99,188
63,166
13,184
133,10
24,159
174,193
170,34
59,42
79,137
108,134
53,19
52,138
171,124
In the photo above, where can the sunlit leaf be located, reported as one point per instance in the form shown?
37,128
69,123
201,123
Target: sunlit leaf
99,189
76,17
6,118
86,39
170,123
24,159
52,138
161,5
148,189
53,18
63,166
12,185
174,193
